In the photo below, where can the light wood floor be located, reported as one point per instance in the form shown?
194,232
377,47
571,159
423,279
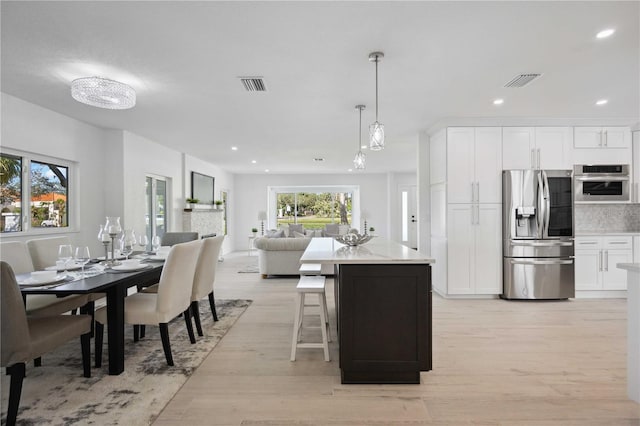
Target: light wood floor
495,363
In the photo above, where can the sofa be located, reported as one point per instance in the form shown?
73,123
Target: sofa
281,256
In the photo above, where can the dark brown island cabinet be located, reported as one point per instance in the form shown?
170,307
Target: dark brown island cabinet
383,308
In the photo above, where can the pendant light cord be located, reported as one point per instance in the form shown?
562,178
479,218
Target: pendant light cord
376,88
360,131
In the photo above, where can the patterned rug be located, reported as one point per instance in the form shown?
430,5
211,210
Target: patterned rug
250,267
57,394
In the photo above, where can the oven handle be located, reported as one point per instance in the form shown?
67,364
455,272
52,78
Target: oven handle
542,262
614,178
543,244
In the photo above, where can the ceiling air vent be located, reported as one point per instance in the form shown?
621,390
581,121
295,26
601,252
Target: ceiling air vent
253,84
522,80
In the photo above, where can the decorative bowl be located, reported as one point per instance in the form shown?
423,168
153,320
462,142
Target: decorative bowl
353,239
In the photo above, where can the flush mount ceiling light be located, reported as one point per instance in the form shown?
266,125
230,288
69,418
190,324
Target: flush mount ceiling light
103,93
376,130
605,33
498,101
359,160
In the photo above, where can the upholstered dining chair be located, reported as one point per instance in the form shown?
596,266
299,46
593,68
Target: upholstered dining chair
172,299
172,238
44,251
204,277
25,338
16,254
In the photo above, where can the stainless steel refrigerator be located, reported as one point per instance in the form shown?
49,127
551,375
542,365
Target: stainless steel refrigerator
538,234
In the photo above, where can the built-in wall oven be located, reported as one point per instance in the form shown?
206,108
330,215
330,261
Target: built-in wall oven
601,183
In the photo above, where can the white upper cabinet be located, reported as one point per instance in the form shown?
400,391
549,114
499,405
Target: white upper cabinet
536,148
517,146
474,156
602,137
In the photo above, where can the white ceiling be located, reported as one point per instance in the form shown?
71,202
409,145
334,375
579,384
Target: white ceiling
442,59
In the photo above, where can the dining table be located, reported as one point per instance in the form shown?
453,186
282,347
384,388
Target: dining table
114,284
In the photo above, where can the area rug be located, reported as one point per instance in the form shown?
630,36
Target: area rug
57,394
250,267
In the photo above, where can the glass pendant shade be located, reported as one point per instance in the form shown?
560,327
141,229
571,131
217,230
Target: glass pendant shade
103,93
376,136
359,161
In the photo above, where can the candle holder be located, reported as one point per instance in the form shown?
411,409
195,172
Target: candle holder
113,228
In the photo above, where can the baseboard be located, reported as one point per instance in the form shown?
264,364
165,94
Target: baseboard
601,294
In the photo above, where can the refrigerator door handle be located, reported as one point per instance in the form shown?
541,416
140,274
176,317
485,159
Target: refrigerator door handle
542,262
547,201
540,213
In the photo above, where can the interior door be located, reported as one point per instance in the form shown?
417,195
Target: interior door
408,216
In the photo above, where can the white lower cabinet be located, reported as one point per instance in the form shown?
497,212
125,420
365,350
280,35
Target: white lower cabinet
596,259
474,249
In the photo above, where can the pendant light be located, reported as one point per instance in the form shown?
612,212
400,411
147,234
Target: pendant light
376,130
359,160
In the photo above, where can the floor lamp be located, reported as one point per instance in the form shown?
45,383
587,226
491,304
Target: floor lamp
262,216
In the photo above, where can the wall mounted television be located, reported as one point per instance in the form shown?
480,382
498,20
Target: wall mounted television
202,188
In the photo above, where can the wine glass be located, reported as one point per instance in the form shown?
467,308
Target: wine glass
65,254
143,242
82,256
155,244
128,241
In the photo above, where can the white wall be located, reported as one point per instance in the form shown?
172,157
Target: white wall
111,168
30,128
251,197
224,181
424,198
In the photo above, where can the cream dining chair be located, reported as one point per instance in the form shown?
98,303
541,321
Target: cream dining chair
204,278
25,338
172,299
16,254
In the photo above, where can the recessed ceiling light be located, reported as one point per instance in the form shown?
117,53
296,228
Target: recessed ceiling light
602,102
349,170
498,101
266,170
605,33
318,159
253,161
234,148
364,146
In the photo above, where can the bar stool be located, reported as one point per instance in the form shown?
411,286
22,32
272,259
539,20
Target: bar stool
309,284
310,269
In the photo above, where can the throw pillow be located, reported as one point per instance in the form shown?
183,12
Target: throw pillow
297,234
295,228
313,233
331,229
275,234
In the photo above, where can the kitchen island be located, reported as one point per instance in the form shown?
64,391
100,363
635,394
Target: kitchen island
633,329
383,307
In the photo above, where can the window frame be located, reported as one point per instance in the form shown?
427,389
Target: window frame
73,199
272,199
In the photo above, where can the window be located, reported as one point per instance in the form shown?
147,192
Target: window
34,193
156,206
313,207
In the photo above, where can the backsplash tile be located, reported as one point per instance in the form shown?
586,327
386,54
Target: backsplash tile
607,218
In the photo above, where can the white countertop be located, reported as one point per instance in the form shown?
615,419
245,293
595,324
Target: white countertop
377,251
606,234
633,267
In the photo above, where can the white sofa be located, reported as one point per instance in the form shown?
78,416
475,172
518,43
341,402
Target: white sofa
281,256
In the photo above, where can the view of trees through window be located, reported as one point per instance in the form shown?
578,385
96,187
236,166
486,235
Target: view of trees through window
47,195
314,210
